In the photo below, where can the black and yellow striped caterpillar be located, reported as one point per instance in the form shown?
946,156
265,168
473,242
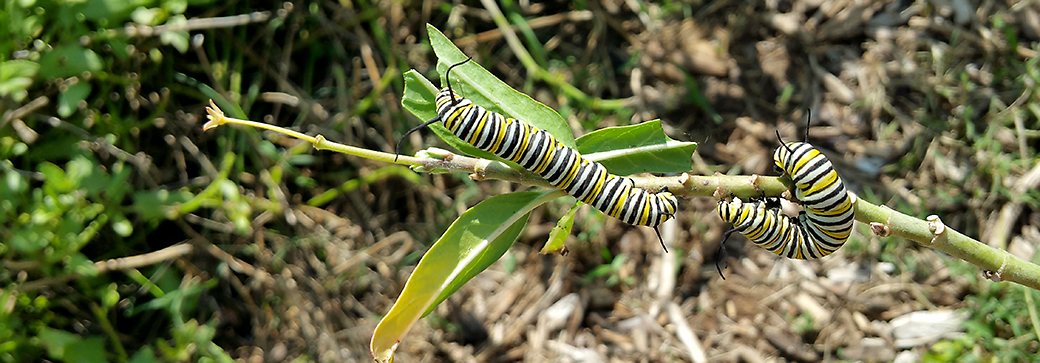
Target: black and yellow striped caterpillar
539,152
827,204
820,229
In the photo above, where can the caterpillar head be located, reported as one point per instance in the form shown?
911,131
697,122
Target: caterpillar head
782,157
782,162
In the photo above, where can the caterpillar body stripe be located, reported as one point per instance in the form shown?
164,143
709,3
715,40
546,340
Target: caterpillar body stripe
538,151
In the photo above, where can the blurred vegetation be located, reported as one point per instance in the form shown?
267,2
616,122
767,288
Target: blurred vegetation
82,101
127,234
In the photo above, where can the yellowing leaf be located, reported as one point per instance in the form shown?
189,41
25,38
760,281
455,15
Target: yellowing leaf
474,241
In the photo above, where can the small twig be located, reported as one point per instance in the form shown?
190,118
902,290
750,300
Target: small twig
124,263
20,112
232,262
443,161
686,334
137,30
151,258
141,161
237,264
31,175
191,148
367,253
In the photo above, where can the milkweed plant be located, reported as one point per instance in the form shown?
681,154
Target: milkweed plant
482,234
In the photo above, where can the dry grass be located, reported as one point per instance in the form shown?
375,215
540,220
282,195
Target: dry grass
912,101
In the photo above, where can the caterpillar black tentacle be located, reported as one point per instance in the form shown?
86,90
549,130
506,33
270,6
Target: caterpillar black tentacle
563,167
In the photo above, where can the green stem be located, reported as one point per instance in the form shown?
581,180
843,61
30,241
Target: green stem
207,194
999,264
885,222
320,143
1031,306
110,331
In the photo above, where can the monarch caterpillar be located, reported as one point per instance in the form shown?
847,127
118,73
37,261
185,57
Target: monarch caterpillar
820,229
540,152
826,202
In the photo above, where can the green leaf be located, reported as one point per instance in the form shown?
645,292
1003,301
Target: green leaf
119,47
484,89
57,341
54,177
80,264
109,296
106,10
117,186
559,234
88,350
151,205
419,95
68,61
16,76
11,184
121,225
145,355
642,148
613,267
473,242
178,39
477,84
148,16
69,100
175,6
179,302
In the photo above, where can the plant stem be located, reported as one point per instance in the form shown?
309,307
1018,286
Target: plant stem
999,264
113,336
